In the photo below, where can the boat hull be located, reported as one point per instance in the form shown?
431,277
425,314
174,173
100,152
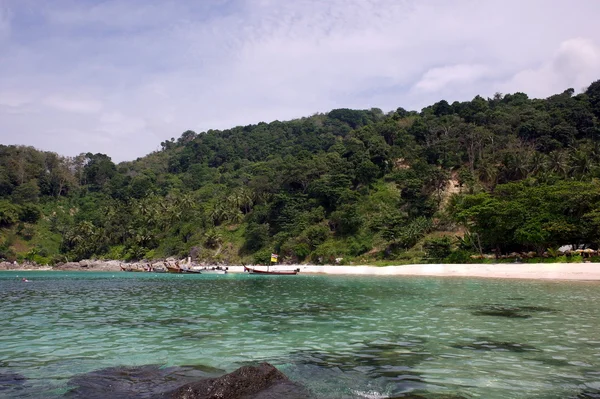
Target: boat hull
271,272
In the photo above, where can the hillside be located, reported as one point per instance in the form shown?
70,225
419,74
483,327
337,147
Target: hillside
501,174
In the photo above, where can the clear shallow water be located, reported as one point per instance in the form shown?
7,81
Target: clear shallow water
342,337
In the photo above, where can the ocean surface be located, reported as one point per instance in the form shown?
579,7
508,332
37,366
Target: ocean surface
137,335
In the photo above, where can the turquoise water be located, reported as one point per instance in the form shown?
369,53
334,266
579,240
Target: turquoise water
342,337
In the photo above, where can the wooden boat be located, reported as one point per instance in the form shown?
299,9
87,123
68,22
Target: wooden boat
173,268
179,269
130,269
273,272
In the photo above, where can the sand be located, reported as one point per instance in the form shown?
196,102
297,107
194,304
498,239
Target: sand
541,271
538,271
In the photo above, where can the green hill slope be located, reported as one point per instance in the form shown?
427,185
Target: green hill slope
346,186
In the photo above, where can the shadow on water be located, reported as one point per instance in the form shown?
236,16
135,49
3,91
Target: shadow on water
588,394
143,382
488,344
513,312
11,384
501,310
428,396
389,365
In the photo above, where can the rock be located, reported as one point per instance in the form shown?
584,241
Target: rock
10,383
248,382
140,382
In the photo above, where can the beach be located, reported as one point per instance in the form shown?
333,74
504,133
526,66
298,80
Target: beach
541,271
538,271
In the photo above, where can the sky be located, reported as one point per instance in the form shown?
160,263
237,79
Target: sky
120,77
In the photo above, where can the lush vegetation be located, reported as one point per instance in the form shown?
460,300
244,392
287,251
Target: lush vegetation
499,175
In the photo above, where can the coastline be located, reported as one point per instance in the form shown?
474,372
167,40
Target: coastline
536,271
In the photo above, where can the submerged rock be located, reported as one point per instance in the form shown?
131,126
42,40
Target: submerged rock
248,382
153,382
589,394
143,382
11,382
513,312
488,344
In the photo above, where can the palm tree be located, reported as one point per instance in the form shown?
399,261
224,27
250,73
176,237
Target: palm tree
581,164
538,162
558,163
212,239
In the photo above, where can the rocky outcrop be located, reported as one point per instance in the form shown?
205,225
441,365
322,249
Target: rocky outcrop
185,382
249,382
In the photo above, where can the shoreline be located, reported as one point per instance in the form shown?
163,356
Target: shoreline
534,271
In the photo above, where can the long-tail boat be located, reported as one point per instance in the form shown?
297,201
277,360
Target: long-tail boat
179,269
253,270
130,269
173,268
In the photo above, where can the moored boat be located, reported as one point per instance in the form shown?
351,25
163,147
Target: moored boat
173,268
190,270
214,270
130,269
273,272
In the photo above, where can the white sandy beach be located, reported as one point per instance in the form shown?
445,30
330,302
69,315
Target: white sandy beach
541,271
546,271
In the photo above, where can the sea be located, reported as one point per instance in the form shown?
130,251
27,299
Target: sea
139,335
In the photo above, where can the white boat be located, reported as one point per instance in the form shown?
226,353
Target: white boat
213,270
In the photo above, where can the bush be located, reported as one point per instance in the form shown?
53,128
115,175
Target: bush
438,248
116,253
459,256
359,245
29,213
262,257
301,250
9,213
316,235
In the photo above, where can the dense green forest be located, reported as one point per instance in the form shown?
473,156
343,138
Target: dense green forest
488,176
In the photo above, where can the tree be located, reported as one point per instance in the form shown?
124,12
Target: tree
28,192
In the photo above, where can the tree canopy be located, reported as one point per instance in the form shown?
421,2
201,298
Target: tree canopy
510,172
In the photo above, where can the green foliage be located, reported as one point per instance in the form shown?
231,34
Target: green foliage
262,257
532,217
458,256
257,236
9,213
348,183
438,248
29,213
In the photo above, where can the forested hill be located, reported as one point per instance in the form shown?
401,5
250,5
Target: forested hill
498,175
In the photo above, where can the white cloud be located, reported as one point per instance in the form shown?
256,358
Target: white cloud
119,77
575,65
72,104
14,98
436,79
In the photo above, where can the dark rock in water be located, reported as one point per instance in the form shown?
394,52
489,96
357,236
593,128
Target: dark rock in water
389,362
144,382
487,344
248,382
551,361
429,396
514,312
10,382
595,394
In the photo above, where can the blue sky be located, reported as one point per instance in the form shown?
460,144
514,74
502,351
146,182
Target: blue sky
119,77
